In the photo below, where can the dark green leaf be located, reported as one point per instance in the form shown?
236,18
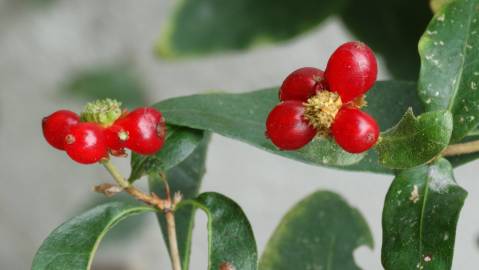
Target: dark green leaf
419,218
415,141
388,100
180,143
243,116
320,232
124,231
208,26
73,245
116,81
391,28
185,177
230,237
449,78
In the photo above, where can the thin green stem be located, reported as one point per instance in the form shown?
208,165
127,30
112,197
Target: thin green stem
173,242
119,179
171,225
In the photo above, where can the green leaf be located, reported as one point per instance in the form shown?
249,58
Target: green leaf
73,245
388,100
230,237
392,29
415,141
419,218
243,116
185,177
208,26
449,78
320,232
124,231
113,81
179,144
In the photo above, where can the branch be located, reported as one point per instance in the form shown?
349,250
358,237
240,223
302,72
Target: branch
152,200
167,205
461,149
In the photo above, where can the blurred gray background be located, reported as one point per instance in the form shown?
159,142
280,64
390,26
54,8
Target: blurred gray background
41,45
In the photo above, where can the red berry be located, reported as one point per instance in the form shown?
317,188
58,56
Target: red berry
55,127
116,137
286,126
146,130
85,143
354,130
301,84
351,70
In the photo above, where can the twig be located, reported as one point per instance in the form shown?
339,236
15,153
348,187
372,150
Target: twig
167,205
130,189
171,225
173,242
461,148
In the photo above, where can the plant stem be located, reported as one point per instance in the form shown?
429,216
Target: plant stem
461,148
170,221
119,179
173,242
166,206
130,189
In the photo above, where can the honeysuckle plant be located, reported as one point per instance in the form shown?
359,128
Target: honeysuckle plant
416,130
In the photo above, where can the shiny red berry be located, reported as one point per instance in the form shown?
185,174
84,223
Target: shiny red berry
354,130
301,84
351,70
286,126
85,143
116,137
146,130
55,127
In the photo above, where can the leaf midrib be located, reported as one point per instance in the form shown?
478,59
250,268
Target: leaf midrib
421,220
330,253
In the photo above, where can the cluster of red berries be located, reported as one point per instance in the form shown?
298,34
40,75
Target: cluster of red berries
327,103
96,134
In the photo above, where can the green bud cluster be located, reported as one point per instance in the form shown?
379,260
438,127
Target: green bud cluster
103,111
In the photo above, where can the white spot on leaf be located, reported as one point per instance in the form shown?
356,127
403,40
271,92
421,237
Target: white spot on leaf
473,85
414,194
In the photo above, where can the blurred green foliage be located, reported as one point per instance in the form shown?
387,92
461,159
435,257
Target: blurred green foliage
392,28
119,82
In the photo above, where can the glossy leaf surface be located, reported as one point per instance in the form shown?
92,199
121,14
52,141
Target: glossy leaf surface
415,140
449,78
73,244
230,238
419,218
